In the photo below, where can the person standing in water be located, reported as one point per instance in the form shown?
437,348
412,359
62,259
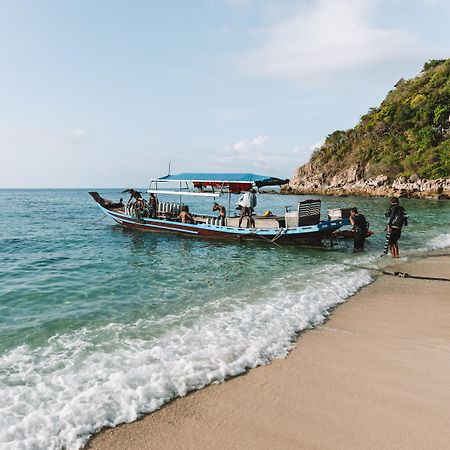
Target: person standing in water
397,219
359,223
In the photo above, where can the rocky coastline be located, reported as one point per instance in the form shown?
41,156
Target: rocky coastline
309,179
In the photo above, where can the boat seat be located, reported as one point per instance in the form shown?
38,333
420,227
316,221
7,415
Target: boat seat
260,222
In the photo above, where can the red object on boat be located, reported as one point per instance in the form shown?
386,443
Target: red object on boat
234,187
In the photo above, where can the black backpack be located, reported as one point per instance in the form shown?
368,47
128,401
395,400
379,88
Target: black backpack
401,219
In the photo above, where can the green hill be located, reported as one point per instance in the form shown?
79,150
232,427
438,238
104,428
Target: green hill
409,133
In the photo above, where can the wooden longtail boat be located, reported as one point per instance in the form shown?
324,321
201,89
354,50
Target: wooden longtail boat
302,226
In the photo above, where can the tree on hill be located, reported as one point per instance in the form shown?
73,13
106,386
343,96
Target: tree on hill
408,133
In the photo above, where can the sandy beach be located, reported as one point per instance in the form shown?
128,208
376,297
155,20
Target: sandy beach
375,376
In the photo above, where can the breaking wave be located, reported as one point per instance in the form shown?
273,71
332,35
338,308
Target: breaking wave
56,396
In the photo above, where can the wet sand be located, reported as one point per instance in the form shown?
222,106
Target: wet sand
375,376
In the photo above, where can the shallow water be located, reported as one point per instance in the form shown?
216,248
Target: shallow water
99,324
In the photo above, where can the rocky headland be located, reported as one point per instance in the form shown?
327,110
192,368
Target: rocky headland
400,148
309,179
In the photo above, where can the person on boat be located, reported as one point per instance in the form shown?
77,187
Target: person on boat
134,195
359,223
153,205
222,212
397,219
247,202
185,216
139,207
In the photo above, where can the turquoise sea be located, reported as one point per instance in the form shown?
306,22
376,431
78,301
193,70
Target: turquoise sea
99,325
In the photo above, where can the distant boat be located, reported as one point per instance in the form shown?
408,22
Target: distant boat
302,226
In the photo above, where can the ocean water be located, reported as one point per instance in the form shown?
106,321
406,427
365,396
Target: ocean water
99,325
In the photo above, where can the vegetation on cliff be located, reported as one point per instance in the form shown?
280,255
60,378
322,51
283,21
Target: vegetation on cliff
408,133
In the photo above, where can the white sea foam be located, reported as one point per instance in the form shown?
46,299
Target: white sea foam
55,397
441,241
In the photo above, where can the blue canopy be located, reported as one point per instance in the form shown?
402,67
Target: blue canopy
258,180
219,177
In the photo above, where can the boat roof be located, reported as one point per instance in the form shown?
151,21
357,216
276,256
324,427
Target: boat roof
259,180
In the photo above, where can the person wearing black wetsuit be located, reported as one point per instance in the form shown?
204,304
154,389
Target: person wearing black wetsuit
396,215
359,223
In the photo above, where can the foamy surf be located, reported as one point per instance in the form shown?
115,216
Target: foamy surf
439,242
56,396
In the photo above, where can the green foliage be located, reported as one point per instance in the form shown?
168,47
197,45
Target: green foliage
417,101
408,133
432,63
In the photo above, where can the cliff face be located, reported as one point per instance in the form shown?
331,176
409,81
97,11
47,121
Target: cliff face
402,147
311,179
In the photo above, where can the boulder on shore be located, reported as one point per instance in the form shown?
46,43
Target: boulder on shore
309,180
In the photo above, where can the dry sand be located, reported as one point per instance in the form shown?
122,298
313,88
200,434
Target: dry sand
375,376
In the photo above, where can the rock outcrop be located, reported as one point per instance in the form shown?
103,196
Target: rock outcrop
310,179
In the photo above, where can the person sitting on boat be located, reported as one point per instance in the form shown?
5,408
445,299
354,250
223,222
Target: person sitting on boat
140,208
359,223
185,216
247,201
222,212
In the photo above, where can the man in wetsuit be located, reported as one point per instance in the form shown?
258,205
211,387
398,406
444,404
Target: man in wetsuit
359,223
396,221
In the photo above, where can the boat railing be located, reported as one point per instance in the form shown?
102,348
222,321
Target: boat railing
172,208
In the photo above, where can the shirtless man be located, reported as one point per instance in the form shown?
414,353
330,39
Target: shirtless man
185,216
222,212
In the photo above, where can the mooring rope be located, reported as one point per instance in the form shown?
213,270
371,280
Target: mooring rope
418,277
89,221
268,240
279,234
396,273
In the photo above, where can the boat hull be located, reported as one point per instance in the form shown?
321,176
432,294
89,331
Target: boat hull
305,235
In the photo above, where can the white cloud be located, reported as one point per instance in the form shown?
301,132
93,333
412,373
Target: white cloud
248,152
317,144
248,148
257,154
302,154
78,135
328,38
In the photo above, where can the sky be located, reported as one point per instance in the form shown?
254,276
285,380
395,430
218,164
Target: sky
105,93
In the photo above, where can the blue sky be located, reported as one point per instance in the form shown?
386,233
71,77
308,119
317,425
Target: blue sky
104,93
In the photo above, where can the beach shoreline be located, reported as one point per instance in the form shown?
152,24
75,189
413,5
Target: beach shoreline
373,376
